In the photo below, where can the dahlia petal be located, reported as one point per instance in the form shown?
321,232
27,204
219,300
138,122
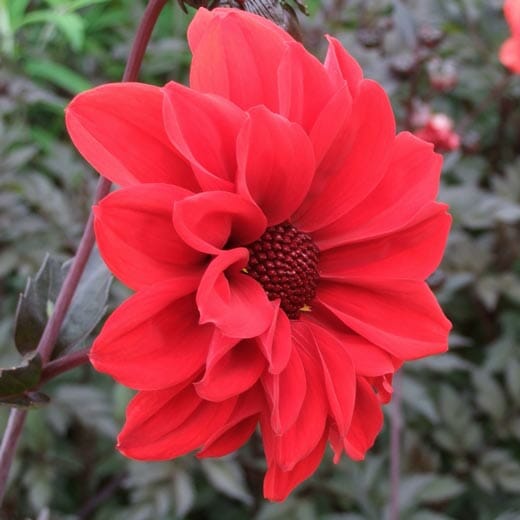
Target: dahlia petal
230,367
341,66
339,374
299,441
232,300
512,15
239,427
220,345
383,387
367,144
304,86
153,339
509,54
327,136
210,220
276,341
204,17
231,439
368,359
236,55
234,373
278,483
147,410
199,26
123,142
203,128
412,253
336,443
402,317
286,393
366,422
175,429
410,183
275,164
136,237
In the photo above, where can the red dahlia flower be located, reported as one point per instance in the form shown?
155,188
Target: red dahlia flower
510,50
277,234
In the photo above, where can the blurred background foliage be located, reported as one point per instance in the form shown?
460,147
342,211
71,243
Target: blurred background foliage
461,411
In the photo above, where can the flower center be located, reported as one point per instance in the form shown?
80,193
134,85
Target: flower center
285,262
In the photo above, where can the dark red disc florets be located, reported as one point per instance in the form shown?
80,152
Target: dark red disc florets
285,262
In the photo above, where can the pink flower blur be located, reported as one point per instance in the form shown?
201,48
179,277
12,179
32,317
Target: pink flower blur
510,51
439,131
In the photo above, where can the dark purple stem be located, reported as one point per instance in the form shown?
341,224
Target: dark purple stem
10,440
50,334
395,449
64,364
52,329
103,495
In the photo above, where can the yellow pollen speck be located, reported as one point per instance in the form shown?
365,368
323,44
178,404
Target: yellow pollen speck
306,308
244,270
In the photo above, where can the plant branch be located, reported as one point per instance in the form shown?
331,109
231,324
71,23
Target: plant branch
64,364
395,449
102,496
52,329
70,284
12,434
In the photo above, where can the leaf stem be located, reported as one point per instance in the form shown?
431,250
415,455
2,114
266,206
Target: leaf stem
64,364
50,334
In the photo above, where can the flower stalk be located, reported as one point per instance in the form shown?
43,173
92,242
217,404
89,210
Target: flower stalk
50,335
395,448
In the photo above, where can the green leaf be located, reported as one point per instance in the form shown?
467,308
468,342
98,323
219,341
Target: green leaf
16,384
16,11
31,313
73,28
18,379
88,305
38,16
58,75
89,405
87,308
183,493
38,479
476,208
78,4
410,489
70,24
489,395
508,476
416,397
441,489
512,378
444,363
227,476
